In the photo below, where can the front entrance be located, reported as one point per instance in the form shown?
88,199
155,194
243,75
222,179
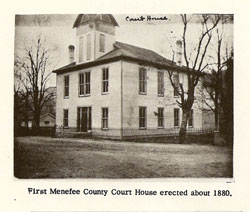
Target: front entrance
84,119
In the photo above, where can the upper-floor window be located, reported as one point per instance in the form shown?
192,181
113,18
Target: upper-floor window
80,49
105,80
102,43
84,84
105,118
142,80
176,84
66,86
142,117
66,118
176,117
191,118
160,83
160,117
88,47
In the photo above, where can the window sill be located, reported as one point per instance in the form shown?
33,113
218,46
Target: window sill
141,93
160,127
66,97
176,127
190,126
105,129
160,95
176,96
87,95
105,93
142,128
65,127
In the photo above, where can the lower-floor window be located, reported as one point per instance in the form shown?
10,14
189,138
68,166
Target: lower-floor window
142,117
176,117
160,117
66,118
105,117
191,118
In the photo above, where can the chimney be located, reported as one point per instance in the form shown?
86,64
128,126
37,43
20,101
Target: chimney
179,52
71,53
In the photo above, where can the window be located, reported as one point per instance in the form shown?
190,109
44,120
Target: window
176,84
88,47
176,117
66,118
142,80
160,83
46,122
66,86
191,118
102,43
105,80
160,117
105,117
84,84
142,117
80,49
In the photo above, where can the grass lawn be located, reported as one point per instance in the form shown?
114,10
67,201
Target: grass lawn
44,157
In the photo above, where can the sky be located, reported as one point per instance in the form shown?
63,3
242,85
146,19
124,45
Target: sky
155,35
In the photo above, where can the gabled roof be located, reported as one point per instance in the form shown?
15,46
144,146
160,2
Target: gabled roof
94,17
48,114
127,50
124,51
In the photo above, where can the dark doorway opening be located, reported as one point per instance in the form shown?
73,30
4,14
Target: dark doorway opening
84,119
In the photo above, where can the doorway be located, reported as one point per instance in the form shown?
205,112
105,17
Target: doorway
84,119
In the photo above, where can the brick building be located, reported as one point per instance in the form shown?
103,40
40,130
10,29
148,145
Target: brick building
116,90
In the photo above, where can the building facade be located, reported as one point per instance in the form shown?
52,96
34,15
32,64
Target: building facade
116,90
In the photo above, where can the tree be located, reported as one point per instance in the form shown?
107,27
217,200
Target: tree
20,98
226,106
194,66
213,83
34,70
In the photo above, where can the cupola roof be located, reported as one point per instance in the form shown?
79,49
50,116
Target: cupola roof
84,18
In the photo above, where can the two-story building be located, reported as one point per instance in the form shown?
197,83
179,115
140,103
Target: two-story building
116,90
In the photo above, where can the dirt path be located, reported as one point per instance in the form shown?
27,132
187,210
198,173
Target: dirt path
43,157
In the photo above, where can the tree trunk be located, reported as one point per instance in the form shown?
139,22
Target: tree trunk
216,115
36,120
183,129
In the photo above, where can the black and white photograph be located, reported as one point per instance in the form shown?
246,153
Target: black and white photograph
123,96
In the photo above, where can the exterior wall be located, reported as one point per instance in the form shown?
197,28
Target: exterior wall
82,29
96,100
92,34
206,103
101,28
105,27
208,121
109,41
132,100
48,118
51,123
124,100
29,124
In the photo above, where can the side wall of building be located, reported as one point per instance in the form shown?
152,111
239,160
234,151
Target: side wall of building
132,100
96,100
